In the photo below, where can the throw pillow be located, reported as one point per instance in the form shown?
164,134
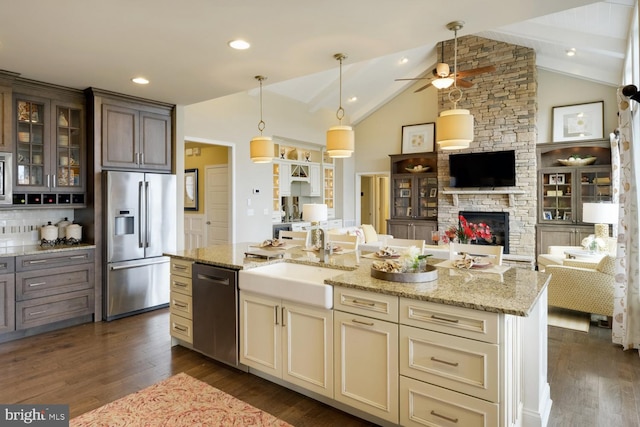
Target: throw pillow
370,235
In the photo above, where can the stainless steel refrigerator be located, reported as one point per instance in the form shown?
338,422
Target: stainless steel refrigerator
140,225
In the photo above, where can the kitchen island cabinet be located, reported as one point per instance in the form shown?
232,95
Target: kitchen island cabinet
288,340
494,323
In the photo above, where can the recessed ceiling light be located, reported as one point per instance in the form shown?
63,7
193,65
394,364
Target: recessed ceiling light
239,44
352,99
404,60
571,52
140,80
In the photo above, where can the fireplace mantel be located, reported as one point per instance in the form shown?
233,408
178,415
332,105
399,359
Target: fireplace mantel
456,193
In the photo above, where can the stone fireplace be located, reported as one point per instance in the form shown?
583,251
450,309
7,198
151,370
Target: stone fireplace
497,221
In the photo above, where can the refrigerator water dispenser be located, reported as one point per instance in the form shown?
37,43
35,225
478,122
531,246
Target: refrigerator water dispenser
123,223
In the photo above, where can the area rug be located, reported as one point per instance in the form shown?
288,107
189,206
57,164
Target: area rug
568,319
178,401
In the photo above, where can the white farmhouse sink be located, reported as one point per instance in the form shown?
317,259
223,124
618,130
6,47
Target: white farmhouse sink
293,282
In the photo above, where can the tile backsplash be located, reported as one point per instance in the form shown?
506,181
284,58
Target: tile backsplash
22,227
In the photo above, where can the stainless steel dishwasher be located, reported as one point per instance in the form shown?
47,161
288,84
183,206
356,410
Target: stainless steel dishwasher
215,313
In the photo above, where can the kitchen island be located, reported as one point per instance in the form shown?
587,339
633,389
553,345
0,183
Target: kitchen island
469,348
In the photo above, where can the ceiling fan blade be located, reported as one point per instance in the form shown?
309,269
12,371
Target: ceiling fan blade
464,83
422,88
476,71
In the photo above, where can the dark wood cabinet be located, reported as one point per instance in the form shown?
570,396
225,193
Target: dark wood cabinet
135,135
566,180
49,146
414,196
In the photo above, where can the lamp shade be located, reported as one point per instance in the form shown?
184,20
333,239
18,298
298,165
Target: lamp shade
314,212
340,141
454,129
261,149
600,213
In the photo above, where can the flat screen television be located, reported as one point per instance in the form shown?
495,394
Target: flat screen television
487,169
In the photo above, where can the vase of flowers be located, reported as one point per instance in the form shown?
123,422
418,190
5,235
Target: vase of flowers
467,232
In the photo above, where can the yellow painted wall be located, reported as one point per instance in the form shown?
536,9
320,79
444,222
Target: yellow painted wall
209,155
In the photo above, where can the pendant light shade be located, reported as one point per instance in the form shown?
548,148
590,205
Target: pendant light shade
454,128
261,147
340,139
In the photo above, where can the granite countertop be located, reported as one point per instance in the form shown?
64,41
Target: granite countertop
37,249
515,291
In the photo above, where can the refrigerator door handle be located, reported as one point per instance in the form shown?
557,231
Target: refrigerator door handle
140,242
147,217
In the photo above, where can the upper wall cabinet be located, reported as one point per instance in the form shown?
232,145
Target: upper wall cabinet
49,145
6,110
134,133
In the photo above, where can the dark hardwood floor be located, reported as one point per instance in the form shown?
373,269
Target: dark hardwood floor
593,382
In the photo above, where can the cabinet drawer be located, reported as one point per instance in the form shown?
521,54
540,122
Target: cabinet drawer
181,305
40,311
181,285
423,404
181,267
460,364
371,304
52,281
54,259
181,328
7,265
463,322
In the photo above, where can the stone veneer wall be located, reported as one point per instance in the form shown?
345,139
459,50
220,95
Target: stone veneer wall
504,106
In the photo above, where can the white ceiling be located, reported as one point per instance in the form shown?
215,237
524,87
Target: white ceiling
182,46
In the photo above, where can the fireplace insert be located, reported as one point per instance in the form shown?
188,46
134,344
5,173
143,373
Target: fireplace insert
497,221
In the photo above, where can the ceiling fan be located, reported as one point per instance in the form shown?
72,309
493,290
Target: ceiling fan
443,77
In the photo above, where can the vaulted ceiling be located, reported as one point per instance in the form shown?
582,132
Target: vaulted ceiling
181,47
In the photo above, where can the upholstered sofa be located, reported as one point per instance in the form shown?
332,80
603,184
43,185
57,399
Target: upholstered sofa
368,239
556,255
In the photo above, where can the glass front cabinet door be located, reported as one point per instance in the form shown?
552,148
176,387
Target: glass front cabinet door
31,156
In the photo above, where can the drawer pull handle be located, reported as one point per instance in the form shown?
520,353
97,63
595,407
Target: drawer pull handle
435,359
37,284
179,267
35,313
179,304
180,328
184,285
360,322
444,319
367,303
444,417
37,261
78,257
3,265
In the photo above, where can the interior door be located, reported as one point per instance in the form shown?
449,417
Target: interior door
217,204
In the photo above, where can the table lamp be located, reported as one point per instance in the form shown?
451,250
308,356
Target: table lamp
600,214
314,213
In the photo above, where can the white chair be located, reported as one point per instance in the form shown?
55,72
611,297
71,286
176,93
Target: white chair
296,237
492,252
401,244
345,241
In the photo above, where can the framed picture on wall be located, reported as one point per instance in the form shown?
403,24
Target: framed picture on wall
418,138
191,189
580,122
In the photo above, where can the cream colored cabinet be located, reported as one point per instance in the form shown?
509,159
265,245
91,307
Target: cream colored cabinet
458,366
366,352
285,179
287,340
180,300
315,186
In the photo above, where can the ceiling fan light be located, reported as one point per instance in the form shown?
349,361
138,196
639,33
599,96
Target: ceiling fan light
340,141
261,149
454,129
442,69
443,82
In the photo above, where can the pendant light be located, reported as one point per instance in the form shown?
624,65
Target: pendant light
340,139
261,147
454,128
